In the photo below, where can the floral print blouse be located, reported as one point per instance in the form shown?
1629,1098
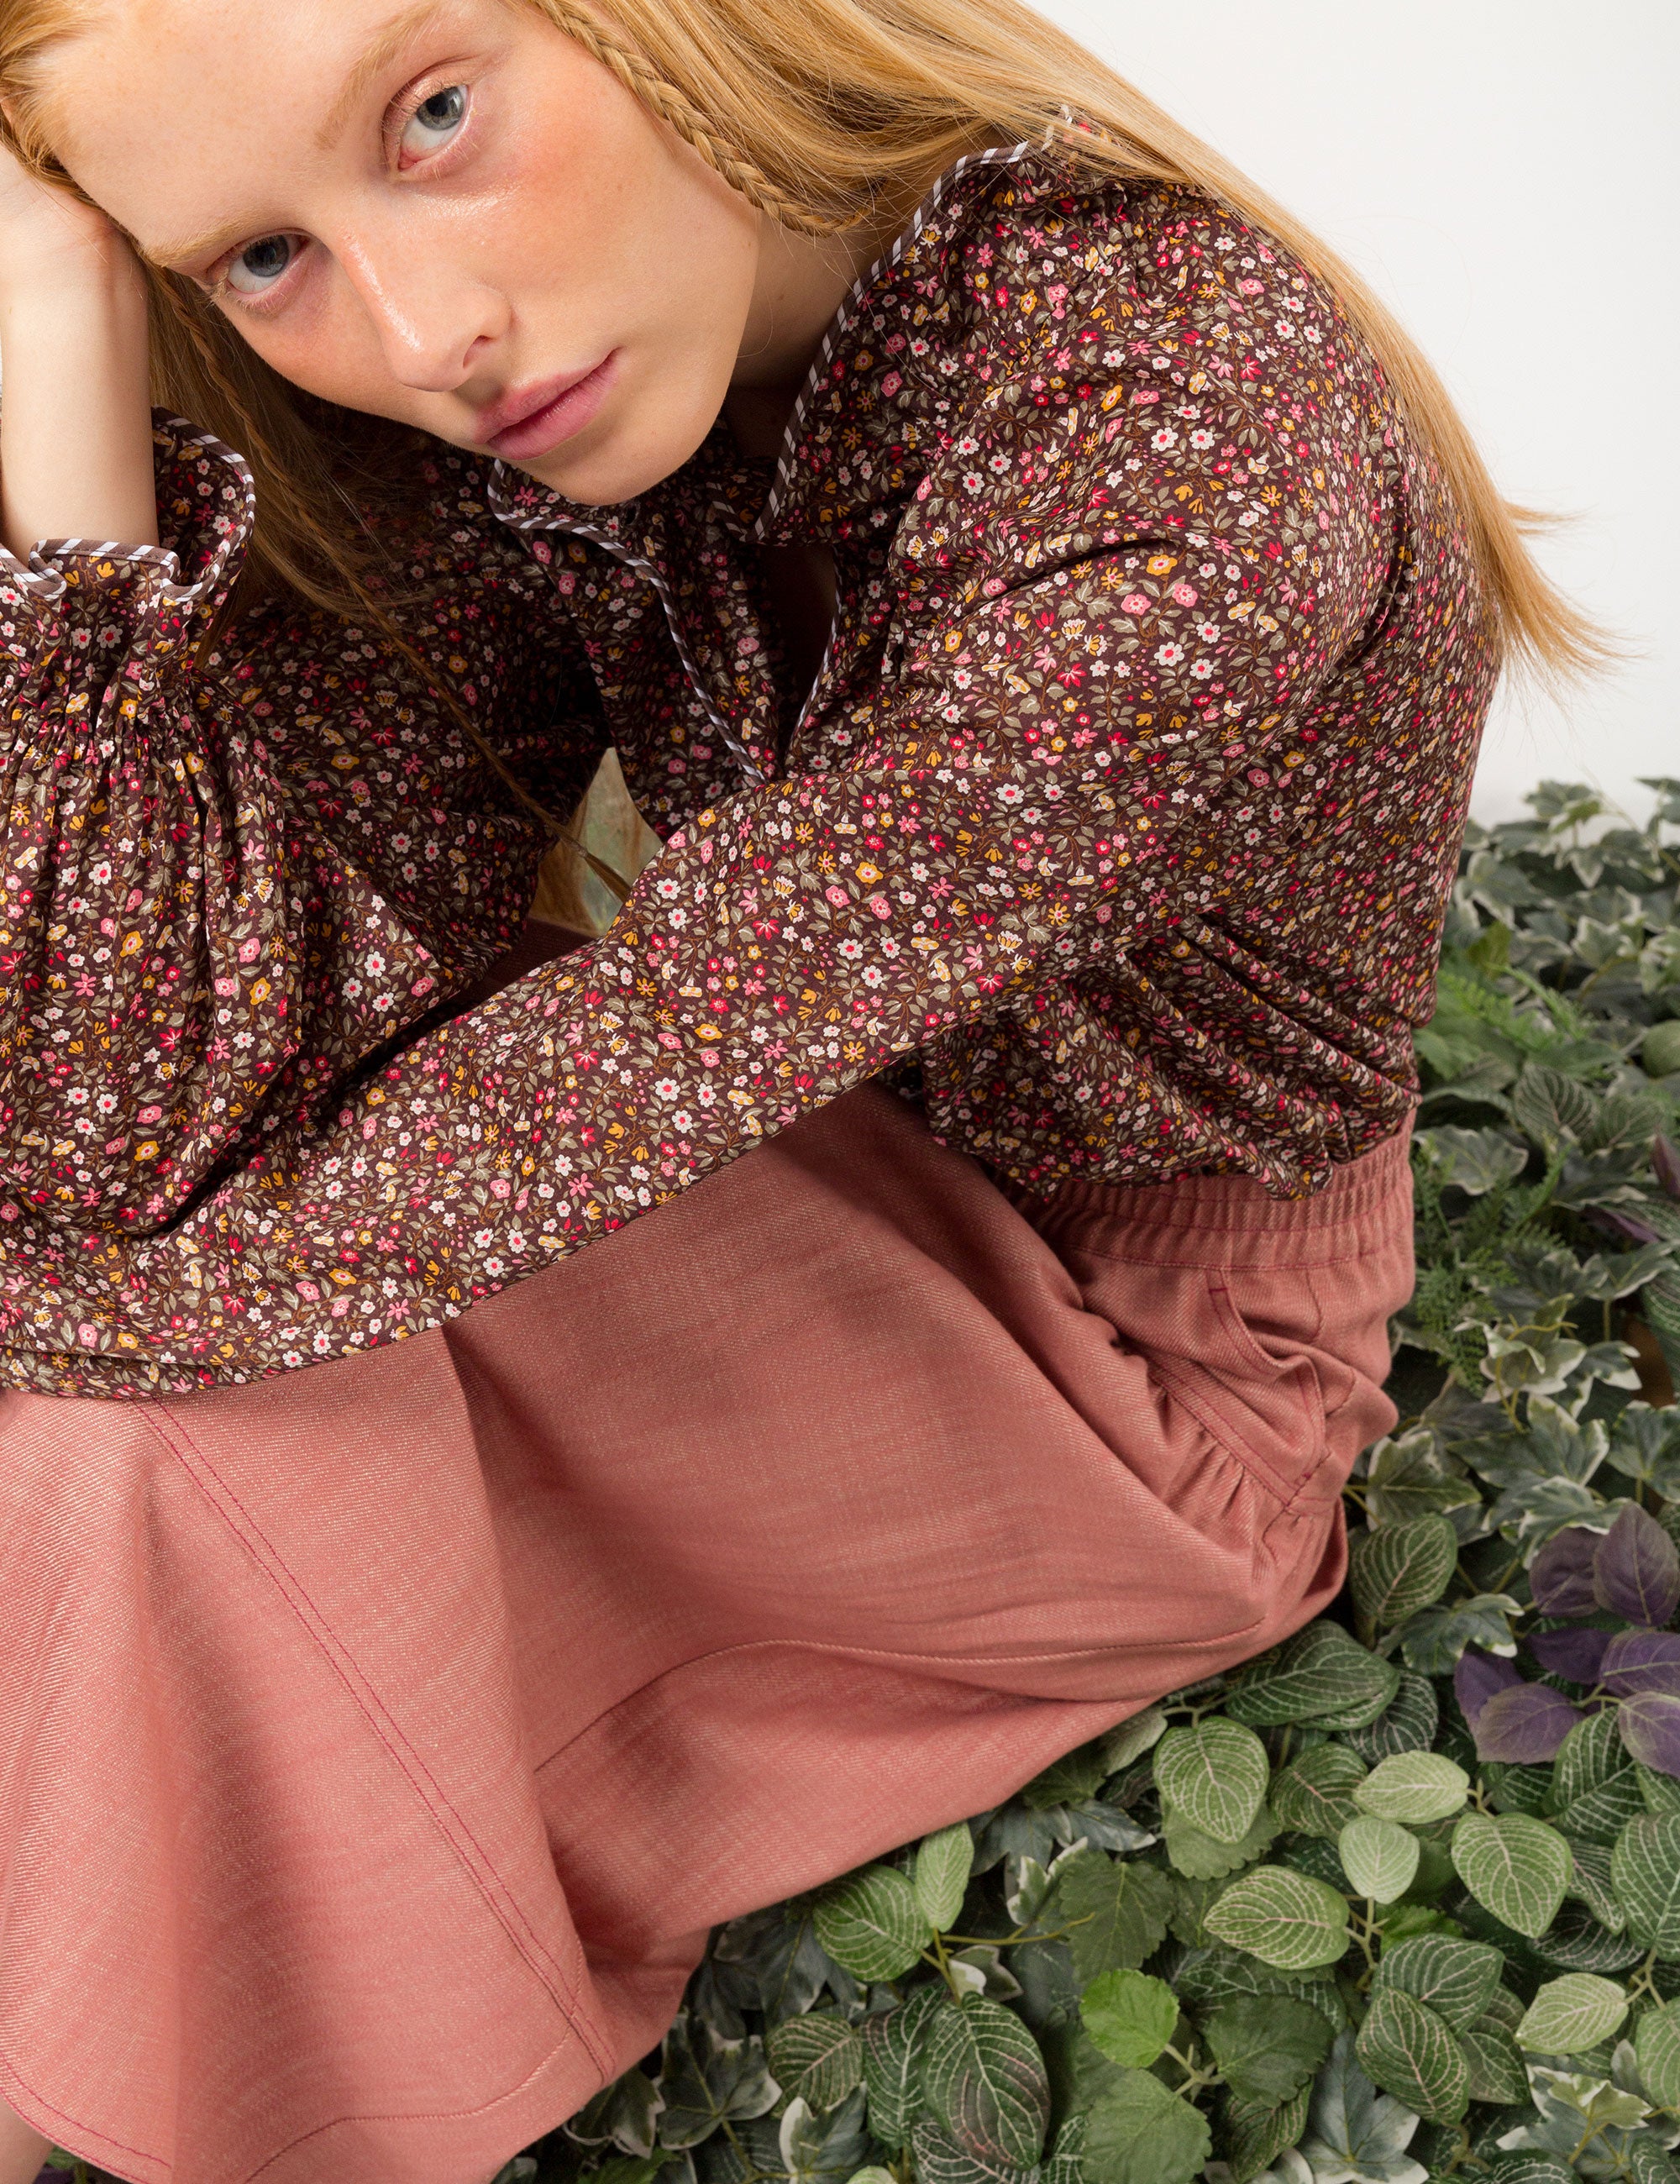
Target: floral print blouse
1118,825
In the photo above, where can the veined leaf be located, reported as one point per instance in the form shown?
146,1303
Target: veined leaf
1215,1775
891,2063
1398,1568
1313,1794
1645,1875
1457,1978
1657,2041
1409,2050
1379,1857
1413,1785
872,1924
1515,1865
1283,1918
817,2058
944,1863
985,2080
1570,2015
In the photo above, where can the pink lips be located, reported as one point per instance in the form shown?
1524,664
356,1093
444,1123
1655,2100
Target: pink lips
536,420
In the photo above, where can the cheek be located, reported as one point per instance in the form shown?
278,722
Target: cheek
328,348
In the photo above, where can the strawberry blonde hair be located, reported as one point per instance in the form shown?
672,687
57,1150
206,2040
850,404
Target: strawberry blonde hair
820,113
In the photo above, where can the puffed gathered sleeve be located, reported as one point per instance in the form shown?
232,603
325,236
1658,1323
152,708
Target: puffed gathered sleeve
193,945
148,962
1065,696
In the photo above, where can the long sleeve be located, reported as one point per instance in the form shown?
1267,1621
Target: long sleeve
1019,804
230,874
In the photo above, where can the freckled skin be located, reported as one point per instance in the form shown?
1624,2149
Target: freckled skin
1119,824
565,224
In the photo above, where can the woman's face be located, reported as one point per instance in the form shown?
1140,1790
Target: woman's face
447,214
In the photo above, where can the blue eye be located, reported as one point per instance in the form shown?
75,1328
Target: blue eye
261,264
435,120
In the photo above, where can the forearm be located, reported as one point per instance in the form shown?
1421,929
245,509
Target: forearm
75,423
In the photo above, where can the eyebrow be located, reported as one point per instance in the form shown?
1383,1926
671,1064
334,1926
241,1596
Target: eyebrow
373,60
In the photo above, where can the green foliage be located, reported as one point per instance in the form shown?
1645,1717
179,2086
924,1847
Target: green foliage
1399,1899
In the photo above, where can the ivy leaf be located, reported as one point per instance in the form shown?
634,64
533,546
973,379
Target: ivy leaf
1475,1160
1268,2048
1457,1978
1515,1865
1313,1794
1656,2039
1283,1918
1413,1785
872,1924
817,2058
1409,2050
1524,1725
1645,1875
1117,1914
944,1863
1431,1641
1379,1858
1141,2133
1130,2016
984,2081
1571,2014
1408,1477
821,2149
707,2080
1215,1776
1398,1568
1354,2135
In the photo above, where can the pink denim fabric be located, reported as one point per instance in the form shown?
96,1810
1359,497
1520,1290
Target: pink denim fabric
380,1741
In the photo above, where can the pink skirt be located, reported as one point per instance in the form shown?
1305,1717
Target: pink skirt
381,1740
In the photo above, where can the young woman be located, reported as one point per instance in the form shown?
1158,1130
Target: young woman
1047,610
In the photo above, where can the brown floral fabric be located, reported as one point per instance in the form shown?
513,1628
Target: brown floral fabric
1118,825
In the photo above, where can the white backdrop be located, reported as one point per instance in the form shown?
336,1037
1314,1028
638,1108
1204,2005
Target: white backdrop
1507,173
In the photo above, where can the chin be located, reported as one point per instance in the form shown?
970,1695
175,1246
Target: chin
619,459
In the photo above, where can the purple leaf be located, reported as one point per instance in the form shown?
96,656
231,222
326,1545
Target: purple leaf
1477,1677
1650,1729
1575,1653
1526,1723
1642,1661
1636,1572
1667,1162
1562,1573
1627,1226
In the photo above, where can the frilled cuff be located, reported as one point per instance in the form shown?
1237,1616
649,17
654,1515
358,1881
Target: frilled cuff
107,595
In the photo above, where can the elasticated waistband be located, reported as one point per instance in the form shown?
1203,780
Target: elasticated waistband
1228,1220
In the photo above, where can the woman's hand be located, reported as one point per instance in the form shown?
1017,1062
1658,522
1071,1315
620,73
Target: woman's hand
75,417
51,243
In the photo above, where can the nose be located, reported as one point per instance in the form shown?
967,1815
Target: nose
433,319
